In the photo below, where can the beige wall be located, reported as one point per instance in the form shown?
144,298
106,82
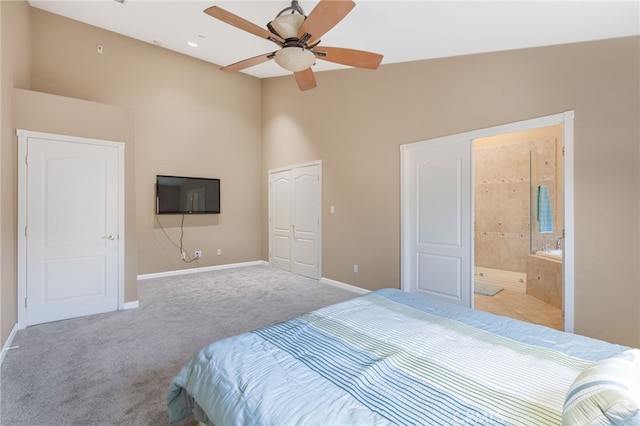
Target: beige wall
356,120
190,120
15,64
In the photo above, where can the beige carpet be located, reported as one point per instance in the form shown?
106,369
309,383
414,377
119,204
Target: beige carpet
115,369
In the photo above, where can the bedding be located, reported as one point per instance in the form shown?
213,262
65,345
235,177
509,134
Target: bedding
388,357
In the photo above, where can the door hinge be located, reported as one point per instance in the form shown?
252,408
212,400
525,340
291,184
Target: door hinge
563,151
26,231
26,160
25,302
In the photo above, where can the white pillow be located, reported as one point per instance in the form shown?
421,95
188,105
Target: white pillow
606,393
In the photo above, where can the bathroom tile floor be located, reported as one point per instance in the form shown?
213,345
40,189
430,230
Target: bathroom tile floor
520,306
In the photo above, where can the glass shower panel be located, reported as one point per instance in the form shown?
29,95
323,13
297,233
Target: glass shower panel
533,191
543,226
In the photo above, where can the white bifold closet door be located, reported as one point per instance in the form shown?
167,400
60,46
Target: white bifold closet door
294,219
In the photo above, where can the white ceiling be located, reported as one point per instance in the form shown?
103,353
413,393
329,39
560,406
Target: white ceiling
400,30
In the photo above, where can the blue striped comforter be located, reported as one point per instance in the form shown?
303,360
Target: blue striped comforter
386,358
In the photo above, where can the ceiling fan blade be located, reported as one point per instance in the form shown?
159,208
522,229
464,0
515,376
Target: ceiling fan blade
323,17
241,23
248,62
306,79
350,57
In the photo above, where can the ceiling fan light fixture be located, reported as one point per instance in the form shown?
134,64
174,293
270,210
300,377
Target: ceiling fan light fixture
287,26
294,58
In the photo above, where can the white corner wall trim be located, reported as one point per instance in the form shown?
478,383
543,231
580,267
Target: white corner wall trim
344,286
203,269
7,346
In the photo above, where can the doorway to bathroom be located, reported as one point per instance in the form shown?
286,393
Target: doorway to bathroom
431,205
518,225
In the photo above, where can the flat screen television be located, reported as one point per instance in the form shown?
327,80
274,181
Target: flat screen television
187,195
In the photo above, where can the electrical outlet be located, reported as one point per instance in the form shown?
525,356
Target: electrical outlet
198,253
219,252
355,268
183,255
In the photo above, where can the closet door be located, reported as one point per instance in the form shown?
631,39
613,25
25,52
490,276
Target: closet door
280,219
306,221
294,219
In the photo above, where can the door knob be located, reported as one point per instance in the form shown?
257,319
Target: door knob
110,237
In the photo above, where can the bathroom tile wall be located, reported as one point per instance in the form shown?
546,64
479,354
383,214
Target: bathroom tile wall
504,176
544,280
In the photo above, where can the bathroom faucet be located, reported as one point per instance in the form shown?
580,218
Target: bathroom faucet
558,245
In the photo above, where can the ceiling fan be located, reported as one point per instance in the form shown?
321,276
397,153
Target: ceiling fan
298,36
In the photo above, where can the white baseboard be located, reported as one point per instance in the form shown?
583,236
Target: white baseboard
344,286
7,344
203,269
130,305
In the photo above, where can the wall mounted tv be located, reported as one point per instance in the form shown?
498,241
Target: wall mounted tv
187,195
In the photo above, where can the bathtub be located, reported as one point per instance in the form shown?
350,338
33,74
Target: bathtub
552,254
544,276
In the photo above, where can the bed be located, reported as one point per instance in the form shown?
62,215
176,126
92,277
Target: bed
390,357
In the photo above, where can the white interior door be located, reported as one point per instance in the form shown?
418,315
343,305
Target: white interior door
294,216
306,221
437,194
280,200
72,221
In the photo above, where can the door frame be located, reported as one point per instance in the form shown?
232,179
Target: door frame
318,212
23,138
568,265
